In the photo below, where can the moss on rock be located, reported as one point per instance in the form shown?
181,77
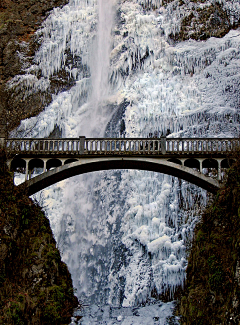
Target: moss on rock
35,285
212,294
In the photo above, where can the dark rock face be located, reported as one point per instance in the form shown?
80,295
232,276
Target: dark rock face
212,292
35,285
19,20
203,23
200,20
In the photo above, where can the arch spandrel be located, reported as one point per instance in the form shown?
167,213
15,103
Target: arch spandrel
87,165
53,163
210,163
35,163
192,163
175,161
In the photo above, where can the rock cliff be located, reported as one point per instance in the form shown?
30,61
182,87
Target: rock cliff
212,292
35,285
19,19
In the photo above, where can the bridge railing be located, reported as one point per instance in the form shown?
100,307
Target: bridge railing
43,145
211,145
123,145
151,146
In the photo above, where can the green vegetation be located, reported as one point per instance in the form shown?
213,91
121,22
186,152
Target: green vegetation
212,293
35,286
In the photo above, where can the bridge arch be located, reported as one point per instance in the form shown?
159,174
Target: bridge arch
192,163
69,161
87,165
226,163
53,163
35,163
210,163
18,165
175,161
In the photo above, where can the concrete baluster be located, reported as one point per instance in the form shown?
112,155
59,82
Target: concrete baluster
219,169
96,146
153,149
88,145
105,146
144,145
111,142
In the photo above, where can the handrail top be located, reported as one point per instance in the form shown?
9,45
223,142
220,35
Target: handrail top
121,139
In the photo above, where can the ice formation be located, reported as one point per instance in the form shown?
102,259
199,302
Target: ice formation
124,234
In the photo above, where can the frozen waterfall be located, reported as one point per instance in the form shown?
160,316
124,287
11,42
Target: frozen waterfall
123,234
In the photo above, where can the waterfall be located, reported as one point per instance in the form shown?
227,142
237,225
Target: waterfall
101,52
99,67
123,234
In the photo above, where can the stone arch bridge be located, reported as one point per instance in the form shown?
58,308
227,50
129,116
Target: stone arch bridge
57,159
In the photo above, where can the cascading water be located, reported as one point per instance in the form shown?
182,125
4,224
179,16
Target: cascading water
101,52
123,234
99,66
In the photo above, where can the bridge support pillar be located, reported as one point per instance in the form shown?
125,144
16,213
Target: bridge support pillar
200,162
44,165
26,171
219,169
